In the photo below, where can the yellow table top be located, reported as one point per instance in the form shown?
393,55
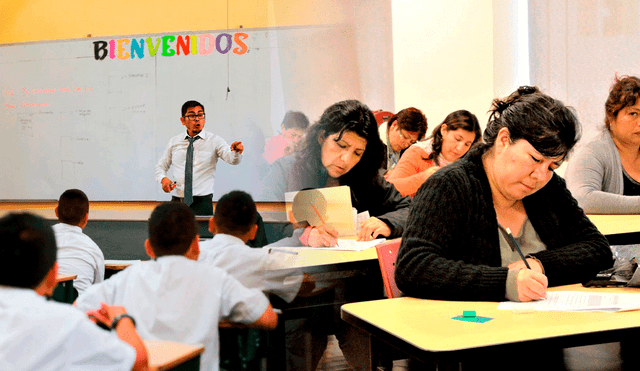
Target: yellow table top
427,324
309,257
164,355
66,277
614,224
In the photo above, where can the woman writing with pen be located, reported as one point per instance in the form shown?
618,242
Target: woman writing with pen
461,251
343,148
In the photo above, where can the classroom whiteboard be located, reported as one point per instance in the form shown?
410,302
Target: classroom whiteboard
69,120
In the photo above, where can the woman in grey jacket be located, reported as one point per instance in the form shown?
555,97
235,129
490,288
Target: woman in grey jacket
604,175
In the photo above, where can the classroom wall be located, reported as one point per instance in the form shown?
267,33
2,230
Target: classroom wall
352,59
442,50
443,57
40,20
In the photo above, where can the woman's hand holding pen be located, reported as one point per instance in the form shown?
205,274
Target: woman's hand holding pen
531,285
323,236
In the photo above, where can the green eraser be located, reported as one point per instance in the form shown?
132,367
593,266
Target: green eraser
469,313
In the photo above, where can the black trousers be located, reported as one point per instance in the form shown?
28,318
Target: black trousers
202,205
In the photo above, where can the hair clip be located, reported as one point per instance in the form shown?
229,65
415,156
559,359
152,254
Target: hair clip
525,89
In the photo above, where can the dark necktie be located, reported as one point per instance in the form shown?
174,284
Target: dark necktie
188,173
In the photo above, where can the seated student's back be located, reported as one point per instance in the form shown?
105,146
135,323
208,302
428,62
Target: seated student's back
173,297
77,253
233,225
36,334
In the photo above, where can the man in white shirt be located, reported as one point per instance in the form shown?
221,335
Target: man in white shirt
77,253
207,149
174,297
36,334
265,269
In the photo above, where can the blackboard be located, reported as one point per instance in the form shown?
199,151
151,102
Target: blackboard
70,119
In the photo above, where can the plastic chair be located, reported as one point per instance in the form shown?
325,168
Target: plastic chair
387,254
382,116
241,349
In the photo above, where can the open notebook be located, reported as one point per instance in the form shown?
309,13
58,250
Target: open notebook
330,206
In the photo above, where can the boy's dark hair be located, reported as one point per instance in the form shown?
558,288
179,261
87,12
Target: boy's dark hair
27,251
235,213
295,120
73,206
190,104
172,229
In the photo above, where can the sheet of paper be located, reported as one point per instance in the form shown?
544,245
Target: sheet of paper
333,205
578,301
348,244
121,262
361,217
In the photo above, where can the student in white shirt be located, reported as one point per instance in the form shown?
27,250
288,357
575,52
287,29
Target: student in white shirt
36,334
174,297
77,253
233,225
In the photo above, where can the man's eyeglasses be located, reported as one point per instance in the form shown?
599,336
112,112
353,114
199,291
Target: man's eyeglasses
194,117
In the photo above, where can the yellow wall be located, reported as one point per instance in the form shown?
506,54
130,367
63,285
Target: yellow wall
40,20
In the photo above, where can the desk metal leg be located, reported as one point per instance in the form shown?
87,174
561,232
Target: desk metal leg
375,348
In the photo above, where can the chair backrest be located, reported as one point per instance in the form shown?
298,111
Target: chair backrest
387,253
382,116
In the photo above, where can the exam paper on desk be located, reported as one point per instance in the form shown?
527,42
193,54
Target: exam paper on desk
348,244
577,301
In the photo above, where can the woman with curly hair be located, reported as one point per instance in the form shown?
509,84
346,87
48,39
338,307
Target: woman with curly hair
343,148
604,175
448,142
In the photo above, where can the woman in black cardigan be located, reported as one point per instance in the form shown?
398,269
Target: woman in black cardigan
455,245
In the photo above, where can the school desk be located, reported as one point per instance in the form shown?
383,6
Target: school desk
347,276
167,355
425,330
272,212
64,291
112,267
619,229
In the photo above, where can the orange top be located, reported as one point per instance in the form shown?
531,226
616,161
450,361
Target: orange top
409,173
